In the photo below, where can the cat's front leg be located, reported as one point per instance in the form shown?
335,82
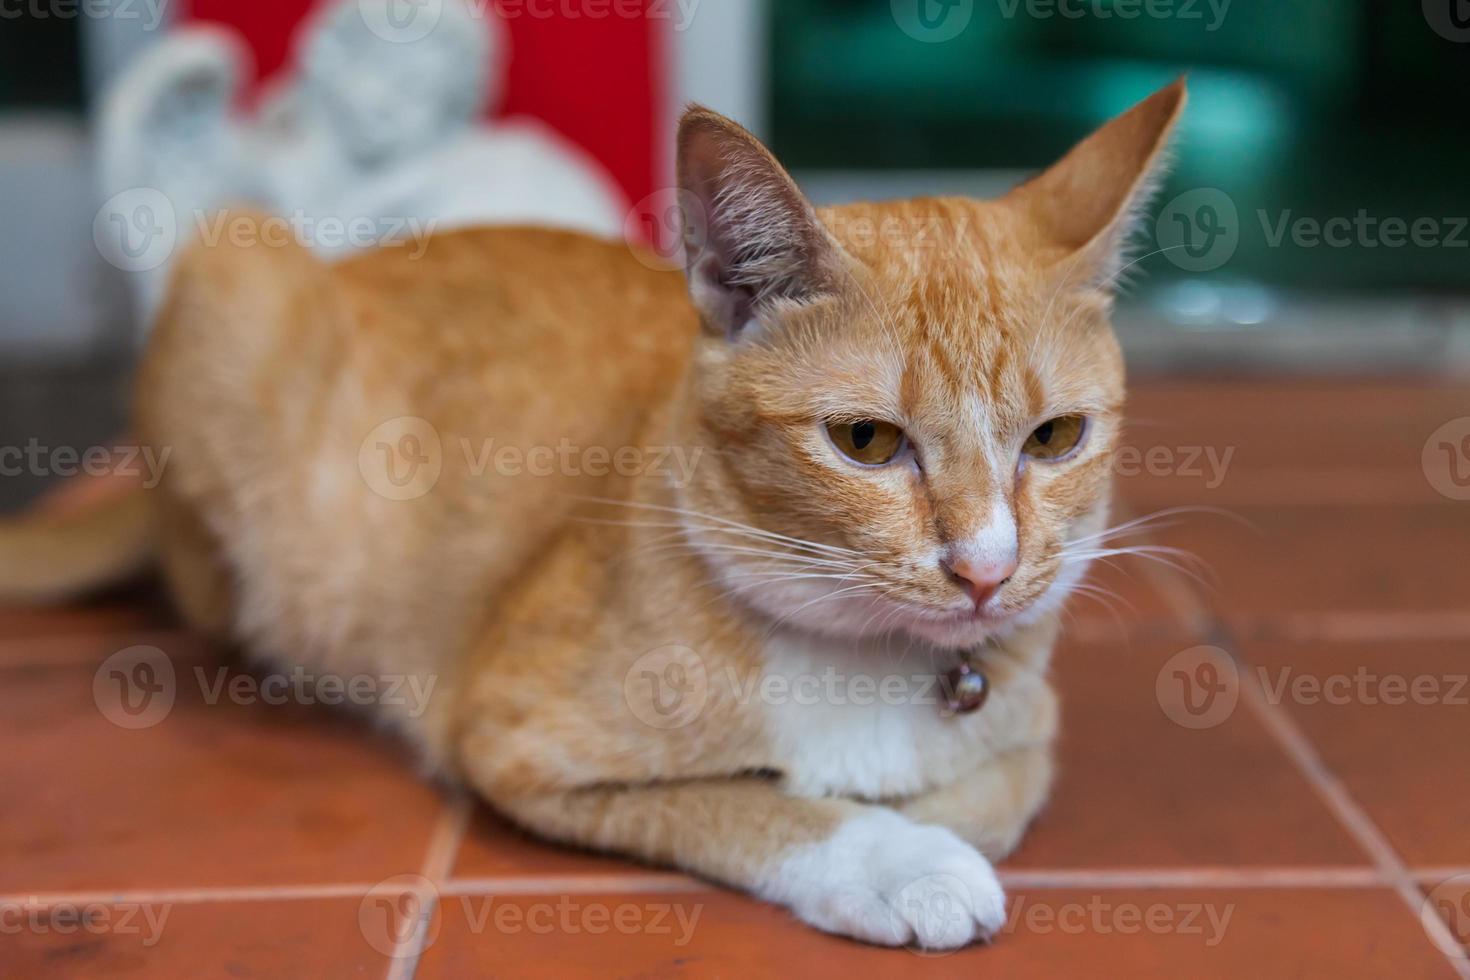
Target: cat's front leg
845,867
991,806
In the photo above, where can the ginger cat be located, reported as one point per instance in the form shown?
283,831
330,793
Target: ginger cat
897,421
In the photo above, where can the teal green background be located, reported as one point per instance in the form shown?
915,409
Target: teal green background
1317,107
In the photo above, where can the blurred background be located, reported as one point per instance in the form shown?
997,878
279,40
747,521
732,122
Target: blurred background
1297,326
1315,221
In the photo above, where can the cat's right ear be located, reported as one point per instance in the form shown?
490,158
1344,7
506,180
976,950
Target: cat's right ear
1087,205
751,240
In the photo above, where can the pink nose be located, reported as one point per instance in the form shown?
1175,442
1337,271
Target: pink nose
980,580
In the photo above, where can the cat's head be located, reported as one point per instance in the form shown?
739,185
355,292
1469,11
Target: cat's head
910,407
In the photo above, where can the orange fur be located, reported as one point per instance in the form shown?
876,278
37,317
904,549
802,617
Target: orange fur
533,598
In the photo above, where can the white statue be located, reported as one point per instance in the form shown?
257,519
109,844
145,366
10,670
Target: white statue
378,130
168,149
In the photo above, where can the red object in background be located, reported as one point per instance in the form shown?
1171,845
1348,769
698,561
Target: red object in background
599,82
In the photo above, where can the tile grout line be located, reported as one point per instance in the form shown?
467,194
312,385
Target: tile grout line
1372,626
1265,877
1194,615
1355,820
444,843
1378,626
189,896
656,883
1438,873
651,884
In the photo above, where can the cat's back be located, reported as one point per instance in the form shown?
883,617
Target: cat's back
393,411
535,298
518,334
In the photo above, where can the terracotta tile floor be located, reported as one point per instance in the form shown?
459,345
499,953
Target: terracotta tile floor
1268,775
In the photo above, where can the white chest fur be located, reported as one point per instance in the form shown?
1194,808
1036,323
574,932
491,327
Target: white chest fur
861,719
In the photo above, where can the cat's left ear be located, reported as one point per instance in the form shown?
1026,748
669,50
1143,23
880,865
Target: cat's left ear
751,239
1088,204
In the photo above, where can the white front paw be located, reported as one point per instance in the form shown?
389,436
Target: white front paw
884,879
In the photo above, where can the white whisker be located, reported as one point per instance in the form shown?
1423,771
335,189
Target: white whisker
828,595
1149,522
724,522
1155,553
733,549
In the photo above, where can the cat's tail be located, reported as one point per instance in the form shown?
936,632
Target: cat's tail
52,553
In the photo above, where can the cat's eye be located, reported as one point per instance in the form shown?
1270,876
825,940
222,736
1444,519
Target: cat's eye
868,441
1056,437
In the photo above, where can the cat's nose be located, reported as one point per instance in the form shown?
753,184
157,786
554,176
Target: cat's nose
979,579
